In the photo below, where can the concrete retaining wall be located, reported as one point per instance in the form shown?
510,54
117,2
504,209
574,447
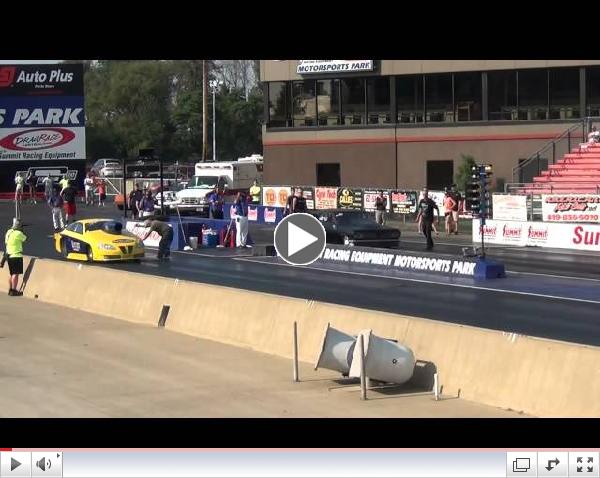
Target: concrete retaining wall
536,376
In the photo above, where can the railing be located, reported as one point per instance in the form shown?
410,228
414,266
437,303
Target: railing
575,134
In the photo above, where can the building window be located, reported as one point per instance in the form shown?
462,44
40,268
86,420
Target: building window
378,100
438,99
564,93
278,105
328,102
353,101
409,99
592,90
467,96
502,95
533,94
304,103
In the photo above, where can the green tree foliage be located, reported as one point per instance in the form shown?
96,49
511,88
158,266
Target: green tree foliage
463,174
138,104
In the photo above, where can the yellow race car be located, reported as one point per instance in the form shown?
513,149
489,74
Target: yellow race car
98,240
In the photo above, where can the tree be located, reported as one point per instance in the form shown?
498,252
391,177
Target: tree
463,175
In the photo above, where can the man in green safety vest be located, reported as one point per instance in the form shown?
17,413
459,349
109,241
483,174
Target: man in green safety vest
255,192
14,240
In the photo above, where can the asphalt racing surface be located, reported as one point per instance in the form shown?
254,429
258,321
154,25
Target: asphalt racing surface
547,315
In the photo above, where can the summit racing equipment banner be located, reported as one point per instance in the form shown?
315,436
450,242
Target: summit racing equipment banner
42,113
337,66
571,207
404,202
585,237
393,260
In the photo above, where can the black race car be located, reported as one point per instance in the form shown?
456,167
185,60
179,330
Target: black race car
357,228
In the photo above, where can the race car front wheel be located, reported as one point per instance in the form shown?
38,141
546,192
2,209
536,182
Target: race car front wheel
90,254
63,248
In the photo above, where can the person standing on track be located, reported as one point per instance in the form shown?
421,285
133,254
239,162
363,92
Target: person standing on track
69,194
48,187
56,204
14,239
165,231
449,204
426,217
101,192
31,183
88,184
380,208
455,210
20,184
241,220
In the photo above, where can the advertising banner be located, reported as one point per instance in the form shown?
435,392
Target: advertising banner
584,237
348,198
41,80
507,207
309,194
275,196
370,196
571,207
325,198
377,260
333,66
438,197
404,202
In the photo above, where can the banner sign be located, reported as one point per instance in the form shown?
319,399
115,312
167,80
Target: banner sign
333,66
507,207
571,207
275,196
404,202
348,198
543,234
325,198
42,113
309,194
438,198
393,260
139,230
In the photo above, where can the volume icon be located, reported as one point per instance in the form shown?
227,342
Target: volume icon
43,463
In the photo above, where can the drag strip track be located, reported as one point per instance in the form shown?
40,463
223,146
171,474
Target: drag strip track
547,317
525,314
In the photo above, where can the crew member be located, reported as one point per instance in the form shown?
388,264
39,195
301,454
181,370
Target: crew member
165,231
241,220
69,194
380,208
101,188
56,204
215,204
255,192
147,205
456,209
426,217
32,183
20,184
449,204
48,187
14,239
88,183
64,182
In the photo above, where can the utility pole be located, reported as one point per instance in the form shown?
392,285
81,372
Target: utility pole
204,111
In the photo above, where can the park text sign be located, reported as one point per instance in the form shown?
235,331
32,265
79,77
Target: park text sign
333,66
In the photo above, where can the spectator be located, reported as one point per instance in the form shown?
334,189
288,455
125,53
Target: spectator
31,183
165,231
14,239
295,203
88,184
147,205
101,188
135,198
20,183
64,182
449,204
426,218
241,220
594,136
380,208
56,204
255,192
456,209
69,194
48,187
215,204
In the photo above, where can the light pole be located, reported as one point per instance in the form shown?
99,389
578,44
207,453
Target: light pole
214,84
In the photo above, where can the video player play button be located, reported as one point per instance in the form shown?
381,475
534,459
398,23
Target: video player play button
14,464
299,239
